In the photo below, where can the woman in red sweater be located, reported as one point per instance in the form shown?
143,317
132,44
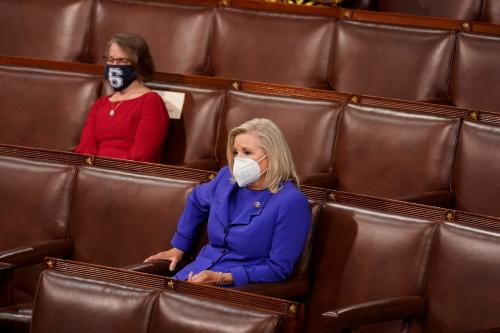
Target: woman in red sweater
132,122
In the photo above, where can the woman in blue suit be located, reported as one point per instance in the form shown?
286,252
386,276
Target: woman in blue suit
258,220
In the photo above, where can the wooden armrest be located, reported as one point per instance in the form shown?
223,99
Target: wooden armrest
292,289
35,254
375,312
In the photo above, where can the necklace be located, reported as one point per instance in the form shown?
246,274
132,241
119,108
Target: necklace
114,108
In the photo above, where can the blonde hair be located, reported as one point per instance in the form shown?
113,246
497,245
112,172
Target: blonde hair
280,167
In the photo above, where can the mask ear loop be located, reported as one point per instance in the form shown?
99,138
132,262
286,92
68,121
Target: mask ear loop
260,159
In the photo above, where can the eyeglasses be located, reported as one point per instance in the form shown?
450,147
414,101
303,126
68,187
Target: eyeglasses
119,61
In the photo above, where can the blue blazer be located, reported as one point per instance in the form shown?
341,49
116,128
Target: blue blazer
261,245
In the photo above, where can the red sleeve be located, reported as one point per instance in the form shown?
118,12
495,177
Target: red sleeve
151,130
88,143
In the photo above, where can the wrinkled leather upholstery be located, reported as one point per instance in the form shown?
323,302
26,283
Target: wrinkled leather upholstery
43,108
476,169
391,61
178,35
312,153
491,11
67,303
474,80
362,255
51,29
271,47
119,219
462,284
191,139
458,10
393,154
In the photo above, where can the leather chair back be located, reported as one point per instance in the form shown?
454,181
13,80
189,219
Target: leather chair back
361,255
191,139
45,108
394,154
474,79
491,11
120,219
35,201
34,209
462,285
476,170
272,47
178,35
51,29
182,313
468,10
312,153
391,61
66,303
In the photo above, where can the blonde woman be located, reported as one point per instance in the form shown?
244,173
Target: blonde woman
257,218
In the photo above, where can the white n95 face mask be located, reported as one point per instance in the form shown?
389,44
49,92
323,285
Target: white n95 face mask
246,171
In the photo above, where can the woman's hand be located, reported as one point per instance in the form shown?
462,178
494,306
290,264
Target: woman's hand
174,255
211,277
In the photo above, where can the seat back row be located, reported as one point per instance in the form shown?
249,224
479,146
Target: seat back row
254,42
363,248
79,303
468,10
380,147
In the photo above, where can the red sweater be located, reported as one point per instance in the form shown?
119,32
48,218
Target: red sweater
135,132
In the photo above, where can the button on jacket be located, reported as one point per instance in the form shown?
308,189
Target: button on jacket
260,244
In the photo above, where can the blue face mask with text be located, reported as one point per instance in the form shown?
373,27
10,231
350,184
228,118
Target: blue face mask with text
120,76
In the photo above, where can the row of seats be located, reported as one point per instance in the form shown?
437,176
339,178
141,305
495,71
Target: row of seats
415,62
110,306
369,146
468,10
364,254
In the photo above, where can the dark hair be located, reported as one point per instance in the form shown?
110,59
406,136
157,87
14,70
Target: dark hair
135,46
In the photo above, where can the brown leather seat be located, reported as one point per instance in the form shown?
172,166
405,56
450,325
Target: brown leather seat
491,11
271,47
474,78
34,211
52,29
69,302
45,108
312,153
119,219
395,154
469,10
476,170
362,255
178,35
191,139
391,61
462,284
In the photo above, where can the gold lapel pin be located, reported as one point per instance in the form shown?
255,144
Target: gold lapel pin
257,204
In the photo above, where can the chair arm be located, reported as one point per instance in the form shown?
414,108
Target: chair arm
324,180
375,312
291,289
436,198
35,254
6,292
158,267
